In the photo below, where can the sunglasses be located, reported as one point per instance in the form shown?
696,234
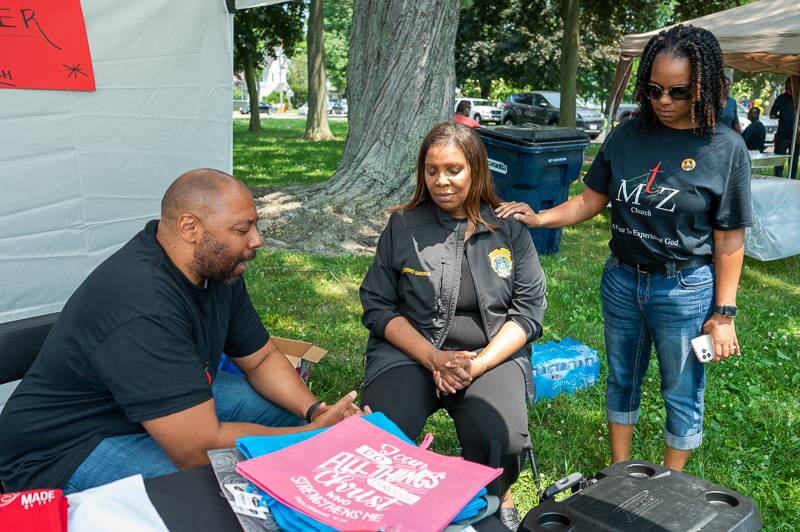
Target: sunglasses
680,93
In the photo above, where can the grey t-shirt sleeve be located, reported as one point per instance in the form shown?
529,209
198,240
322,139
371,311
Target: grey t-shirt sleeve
735,209
246,331
151,368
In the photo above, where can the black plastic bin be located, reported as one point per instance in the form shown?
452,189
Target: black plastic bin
636,496
535,165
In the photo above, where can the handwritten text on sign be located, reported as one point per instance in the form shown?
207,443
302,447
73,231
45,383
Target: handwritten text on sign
43,45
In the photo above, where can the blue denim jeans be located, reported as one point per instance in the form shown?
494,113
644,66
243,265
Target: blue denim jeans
122,456
668,310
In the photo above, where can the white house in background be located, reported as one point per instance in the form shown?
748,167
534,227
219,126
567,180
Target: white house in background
274,79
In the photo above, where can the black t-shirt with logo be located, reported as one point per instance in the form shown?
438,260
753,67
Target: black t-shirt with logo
136,341
669,188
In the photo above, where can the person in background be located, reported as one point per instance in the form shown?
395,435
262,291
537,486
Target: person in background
463,110
755,134
783,110
730,116
679,191
452,301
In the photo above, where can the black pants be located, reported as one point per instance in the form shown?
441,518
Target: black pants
783,145
491,415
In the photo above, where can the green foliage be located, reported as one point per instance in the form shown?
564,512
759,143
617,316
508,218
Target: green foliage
297,76
762,85
520,40
689,9
238,93
499,89
259,30
337,20
752,424
279,156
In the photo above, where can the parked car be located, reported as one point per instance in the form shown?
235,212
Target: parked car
482,110
339,107
625,111
263,107
770,124
541,107
303,109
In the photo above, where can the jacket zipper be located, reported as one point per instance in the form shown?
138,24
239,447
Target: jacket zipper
454,293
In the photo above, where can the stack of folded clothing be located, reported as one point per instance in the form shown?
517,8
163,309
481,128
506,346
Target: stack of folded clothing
34,511
361,474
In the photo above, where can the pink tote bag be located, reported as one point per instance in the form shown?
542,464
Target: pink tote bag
357,477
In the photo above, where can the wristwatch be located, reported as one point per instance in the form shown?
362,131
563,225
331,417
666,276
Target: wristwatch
726,311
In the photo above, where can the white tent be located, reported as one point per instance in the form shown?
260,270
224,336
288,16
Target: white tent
81,172
759,37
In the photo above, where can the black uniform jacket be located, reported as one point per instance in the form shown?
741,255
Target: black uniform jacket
416,273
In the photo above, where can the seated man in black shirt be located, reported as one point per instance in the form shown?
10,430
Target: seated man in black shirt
755,134
126,381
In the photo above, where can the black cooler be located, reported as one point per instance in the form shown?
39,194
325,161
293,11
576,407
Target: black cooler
640,496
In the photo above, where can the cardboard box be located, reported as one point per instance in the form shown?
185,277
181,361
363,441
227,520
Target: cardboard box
302,355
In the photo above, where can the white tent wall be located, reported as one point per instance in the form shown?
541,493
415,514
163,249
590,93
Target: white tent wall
81,172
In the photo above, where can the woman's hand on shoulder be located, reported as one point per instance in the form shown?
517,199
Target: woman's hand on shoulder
520,211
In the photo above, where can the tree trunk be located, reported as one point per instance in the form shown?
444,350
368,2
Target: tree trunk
570,13
486,87
401,81
252,92
317,121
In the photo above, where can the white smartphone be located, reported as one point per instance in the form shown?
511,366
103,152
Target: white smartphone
703,347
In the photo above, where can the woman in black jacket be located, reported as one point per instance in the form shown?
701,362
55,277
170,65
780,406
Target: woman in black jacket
452,301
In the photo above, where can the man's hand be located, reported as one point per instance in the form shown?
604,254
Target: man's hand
343,408
451,370
723,331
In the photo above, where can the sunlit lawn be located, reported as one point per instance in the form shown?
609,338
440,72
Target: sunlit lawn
752,424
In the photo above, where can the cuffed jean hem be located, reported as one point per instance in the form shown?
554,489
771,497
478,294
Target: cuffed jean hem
683,443
622,418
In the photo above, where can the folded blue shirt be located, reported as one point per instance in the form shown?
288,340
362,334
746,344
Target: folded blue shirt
291,520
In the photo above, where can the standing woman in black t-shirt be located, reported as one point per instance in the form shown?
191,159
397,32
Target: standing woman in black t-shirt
679,188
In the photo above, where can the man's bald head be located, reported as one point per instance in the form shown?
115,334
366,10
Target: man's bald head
197,192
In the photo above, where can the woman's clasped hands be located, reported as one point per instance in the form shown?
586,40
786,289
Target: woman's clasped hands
455,370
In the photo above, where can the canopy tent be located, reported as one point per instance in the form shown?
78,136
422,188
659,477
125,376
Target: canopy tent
759,37
83,171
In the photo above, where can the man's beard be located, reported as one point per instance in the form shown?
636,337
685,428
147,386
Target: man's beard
214,261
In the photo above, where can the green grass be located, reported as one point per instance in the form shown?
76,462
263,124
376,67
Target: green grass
752,424
279,156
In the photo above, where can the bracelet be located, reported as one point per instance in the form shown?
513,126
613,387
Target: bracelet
311,410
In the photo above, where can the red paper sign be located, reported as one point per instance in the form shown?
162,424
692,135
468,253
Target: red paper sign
43,45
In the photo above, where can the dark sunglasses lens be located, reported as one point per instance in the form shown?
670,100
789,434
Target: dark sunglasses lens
680,93
652,91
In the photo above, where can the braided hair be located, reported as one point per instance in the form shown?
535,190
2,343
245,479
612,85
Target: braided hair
709,85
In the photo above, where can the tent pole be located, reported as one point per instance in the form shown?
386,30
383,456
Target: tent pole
621,77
